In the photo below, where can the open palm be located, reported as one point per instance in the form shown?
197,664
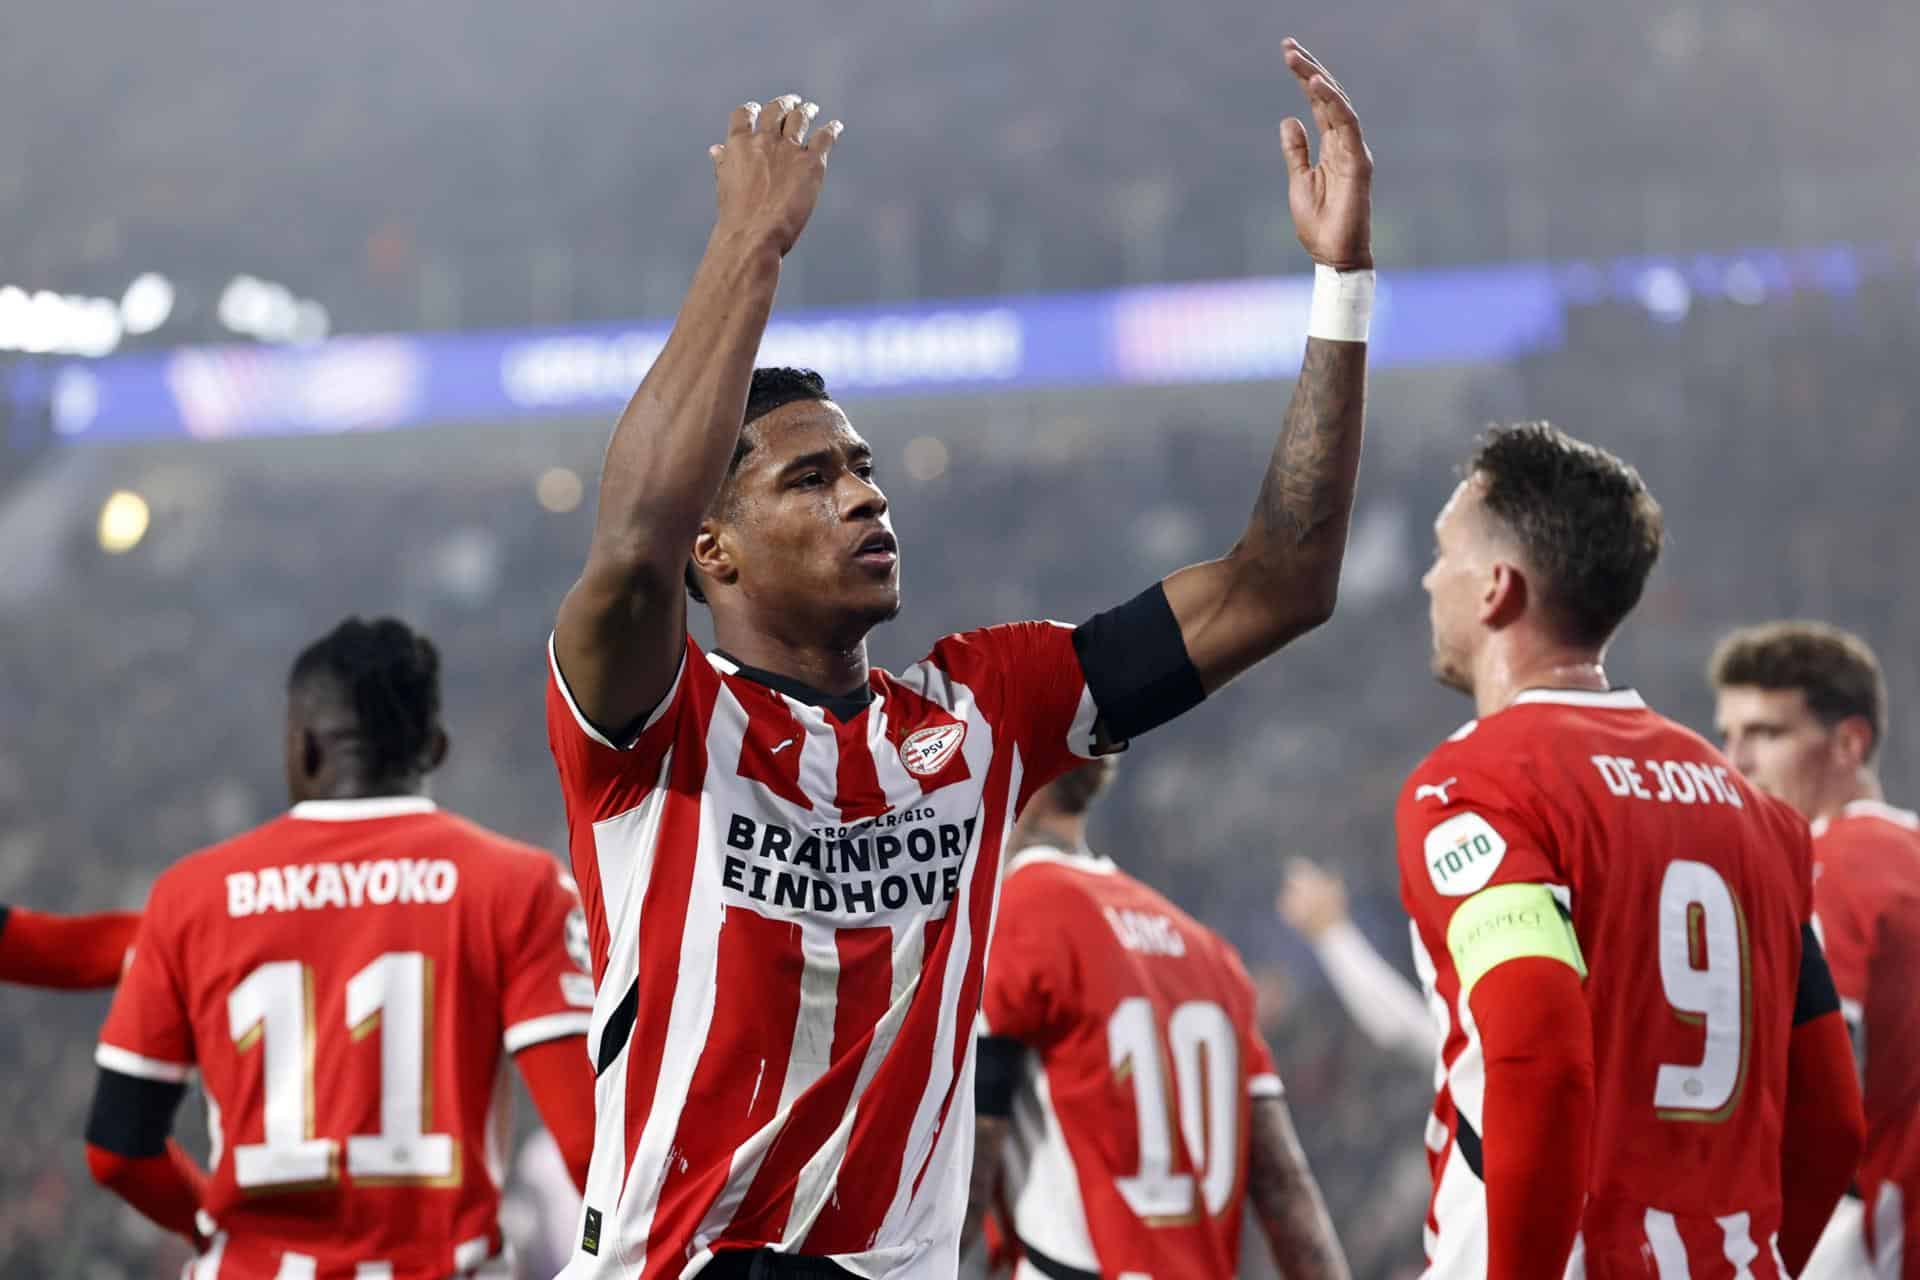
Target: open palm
1331,201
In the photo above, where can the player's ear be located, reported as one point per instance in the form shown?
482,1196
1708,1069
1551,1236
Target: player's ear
1853,741
436,752
1503,597
713,555
311,755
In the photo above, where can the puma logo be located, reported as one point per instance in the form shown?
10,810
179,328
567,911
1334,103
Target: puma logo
1436,789
783,746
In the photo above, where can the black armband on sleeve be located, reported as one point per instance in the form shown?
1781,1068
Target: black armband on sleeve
1136,665
997,1075
1816,996
132,1117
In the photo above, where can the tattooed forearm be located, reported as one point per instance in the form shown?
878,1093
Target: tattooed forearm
1287,1200
1307,496
989,1135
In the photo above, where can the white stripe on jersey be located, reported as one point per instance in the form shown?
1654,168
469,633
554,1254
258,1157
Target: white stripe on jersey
128,1063
1889,1231
1736,1229
296,1266
1047,1210
1669,1250
207,1265
921,1136
615,842
685,1039
1458,1250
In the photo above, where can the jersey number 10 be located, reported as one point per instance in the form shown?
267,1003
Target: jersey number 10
1206,1074
1704,972
272,1008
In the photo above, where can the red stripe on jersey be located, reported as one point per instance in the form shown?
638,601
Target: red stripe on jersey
909,713
880,1131
864,991
762,955
857,791
770,749
845,1225
669,888
980,920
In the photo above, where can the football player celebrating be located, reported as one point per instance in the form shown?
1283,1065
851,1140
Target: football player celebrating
1122,1053
790,859
1644,1064
1802,708
347,980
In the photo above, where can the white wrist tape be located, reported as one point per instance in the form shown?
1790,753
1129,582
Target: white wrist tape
1342,304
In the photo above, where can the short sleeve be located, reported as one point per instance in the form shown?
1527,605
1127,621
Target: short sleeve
149,1030
601,775
1028,680
1461,831
1032,972
1843,915
546,990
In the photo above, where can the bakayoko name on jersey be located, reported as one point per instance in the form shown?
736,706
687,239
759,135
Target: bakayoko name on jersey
316,886
857,872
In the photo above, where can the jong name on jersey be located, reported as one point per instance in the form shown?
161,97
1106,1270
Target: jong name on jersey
789,898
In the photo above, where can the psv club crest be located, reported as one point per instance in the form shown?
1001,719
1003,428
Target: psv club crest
925,752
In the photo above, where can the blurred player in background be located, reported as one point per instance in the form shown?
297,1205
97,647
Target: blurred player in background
64,952
1645,1067
790,860
347,980
1375,995
1802,708
1122,1059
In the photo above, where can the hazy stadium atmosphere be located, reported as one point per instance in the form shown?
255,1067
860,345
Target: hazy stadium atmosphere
399,269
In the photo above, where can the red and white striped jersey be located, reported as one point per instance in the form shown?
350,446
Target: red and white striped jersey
1130,1125
1689,893
1866,890
789,898
348,980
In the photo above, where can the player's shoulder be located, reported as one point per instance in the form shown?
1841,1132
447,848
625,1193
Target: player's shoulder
969,655
499,857
1042,876
1482,762
1861,837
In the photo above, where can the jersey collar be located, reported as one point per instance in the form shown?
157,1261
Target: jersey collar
1080,859
841,706
1878,809
1607,700
357,810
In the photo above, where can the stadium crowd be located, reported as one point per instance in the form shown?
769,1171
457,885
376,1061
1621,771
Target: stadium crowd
412,165
141,693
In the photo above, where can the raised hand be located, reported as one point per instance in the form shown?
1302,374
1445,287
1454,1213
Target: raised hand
1332,200
770,168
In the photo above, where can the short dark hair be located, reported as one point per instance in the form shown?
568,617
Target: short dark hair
1583,518
1075,790
1835,669
389,675
771,387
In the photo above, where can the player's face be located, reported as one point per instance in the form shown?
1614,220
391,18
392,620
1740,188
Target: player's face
1454,586
813,540
1773,737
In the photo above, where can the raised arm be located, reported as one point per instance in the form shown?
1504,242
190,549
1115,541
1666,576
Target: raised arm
622,628
1287,1200
1280,579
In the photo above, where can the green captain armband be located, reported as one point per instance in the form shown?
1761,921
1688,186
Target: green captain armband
1508,922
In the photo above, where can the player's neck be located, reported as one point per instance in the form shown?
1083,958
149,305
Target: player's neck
1863,785
1058,831
829,668
1509,670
